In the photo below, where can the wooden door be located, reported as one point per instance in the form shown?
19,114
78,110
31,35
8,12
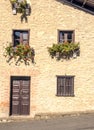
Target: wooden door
20,96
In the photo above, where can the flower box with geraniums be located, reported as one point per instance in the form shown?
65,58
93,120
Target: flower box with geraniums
64,50
20,53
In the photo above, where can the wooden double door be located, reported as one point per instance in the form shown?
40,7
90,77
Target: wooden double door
20,96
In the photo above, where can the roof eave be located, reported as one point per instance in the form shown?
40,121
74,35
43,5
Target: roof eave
79,7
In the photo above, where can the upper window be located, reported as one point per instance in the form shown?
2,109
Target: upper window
66,36
20,36
65,85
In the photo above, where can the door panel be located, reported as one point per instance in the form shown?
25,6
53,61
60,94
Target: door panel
20,96
16,97
25,97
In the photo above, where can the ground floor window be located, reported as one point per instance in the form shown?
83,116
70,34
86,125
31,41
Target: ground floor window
65,85
20,95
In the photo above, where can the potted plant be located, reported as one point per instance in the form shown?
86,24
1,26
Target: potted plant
21,6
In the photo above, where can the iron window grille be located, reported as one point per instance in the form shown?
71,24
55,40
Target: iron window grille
65,85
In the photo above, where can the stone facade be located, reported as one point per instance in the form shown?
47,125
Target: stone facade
47,17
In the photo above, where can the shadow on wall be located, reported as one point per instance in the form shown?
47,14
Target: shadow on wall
67,2
62,1
78,4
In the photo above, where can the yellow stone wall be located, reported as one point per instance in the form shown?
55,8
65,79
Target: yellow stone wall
46,18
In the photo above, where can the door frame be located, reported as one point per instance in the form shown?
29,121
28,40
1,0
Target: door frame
11,87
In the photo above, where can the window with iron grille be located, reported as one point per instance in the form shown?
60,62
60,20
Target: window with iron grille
20,37
65,36
65,85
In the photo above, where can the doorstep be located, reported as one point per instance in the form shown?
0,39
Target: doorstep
44,116
60,115
15,119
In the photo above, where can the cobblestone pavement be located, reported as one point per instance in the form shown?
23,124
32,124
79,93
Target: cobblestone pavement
80,122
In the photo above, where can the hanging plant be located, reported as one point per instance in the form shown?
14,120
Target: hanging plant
65,50
20,53
21,6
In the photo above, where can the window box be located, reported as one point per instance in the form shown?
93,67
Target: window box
64,51
20,53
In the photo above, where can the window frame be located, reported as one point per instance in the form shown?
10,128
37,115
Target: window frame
73,33
63,93
19,30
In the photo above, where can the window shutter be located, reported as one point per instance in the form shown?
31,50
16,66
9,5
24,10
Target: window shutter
65,37
69,85
21,37
60,86
72,84
13,38
60,37
25,37
72,37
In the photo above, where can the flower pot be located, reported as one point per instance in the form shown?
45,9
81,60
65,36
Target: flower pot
74,55
19,1
27,11
57,55
14,11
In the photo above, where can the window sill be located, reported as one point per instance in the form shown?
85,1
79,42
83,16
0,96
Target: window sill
65,95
